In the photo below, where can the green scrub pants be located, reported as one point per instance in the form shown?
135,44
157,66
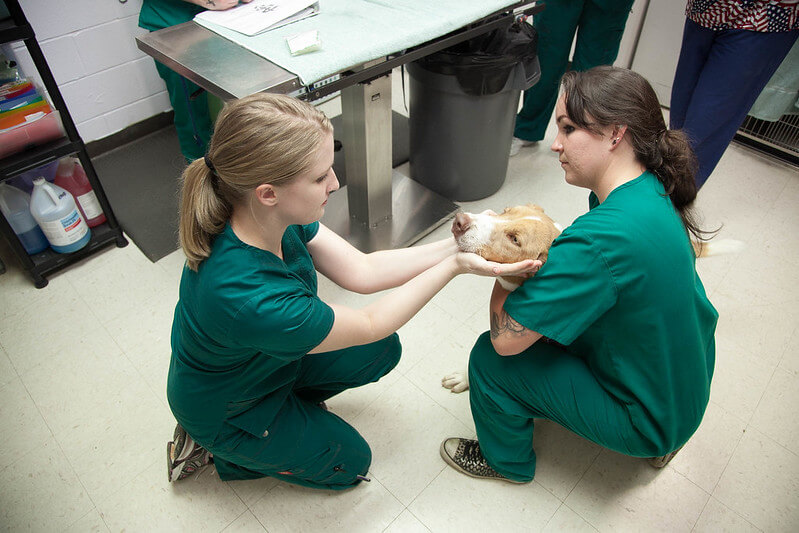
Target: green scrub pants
508,392
599,25
307,445
192,116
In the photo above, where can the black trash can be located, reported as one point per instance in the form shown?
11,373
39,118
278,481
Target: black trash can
463,103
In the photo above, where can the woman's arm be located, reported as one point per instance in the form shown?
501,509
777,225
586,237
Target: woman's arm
364,273
352,327
508,336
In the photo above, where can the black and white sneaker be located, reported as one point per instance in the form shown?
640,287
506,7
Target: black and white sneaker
184,457
464,455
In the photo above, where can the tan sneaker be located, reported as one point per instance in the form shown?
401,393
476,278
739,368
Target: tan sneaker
663,460
184,457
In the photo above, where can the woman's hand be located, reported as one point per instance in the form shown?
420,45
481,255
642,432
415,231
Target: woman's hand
218,5
470,263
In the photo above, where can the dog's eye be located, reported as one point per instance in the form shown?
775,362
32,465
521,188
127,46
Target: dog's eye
514,239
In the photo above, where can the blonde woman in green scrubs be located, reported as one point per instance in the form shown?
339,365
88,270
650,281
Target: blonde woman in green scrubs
255,351
614,337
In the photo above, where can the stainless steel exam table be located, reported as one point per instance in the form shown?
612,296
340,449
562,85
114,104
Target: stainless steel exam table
381,208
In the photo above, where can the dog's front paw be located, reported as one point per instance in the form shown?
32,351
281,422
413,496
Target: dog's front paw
456,382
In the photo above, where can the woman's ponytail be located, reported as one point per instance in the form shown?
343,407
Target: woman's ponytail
203,212
606,95
675,165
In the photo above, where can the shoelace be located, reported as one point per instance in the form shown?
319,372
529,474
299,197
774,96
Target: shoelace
471,459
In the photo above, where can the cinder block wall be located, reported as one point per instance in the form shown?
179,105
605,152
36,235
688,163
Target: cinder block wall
108,84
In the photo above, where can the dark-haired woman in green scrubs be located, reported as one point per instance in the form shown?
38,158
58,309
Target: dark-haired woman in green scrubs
614,337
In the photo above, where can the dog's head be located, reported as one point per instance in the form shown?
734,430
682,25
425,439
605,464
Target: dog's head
518,233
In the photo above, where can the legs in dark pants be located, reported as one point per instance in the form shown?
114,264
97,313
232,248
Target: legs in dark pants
719,76
192,117
307,445
508,392
600,30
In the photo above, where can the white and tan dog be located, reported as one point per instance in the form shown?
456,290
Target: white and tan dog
518,233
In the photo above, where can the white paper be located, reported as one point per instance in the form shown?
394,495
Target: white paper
259,15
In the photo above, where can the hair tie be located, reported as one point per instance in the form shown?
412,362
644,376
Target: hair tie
209,164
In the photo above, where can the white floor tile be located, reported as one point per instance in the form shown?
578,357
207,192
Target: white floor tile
567,521
18,292
146,342
149,503
790,359
365,508
761,483
7,371
404,430
23,425
759,329
125,284
406,523
705,456
61,322
717,517
92,522
98,448
449,355
422,333
41,491
775,415
246,523
740,378
455,502
90,380
621,493
251,490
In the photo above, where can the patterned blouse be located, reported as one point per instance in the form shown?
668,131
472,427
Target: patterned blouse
753,15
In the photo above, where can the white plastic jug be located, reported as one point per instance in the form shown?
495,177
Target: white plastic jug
15,205
57,214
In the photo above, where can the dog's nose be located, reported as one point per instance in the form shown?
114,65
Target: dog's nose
460,224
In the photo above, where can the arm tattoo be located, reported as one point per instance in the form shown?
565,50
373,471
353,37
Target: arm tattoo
210,3
501,323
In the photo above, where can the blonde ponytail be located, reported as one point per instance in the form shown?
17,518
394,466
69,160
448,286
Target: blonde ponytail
262,138
203,213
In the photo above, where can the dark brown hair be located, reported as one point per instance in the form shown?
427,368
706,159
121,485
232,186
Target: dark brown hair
605,96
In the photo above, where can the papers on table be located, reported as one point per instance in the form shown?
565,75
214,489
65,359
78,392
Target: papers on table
261,15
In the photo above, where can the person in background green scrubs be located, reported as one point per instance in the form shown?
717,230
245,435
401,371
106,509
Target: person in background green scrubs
190,102
599,26
255,350
614,336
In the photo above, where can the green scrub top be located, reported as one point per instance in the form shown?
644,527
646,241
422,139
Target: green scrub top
621,291
242,324
159,14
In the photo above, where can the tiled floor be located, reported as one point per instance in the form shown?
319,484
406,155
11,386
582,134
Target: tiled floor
84,420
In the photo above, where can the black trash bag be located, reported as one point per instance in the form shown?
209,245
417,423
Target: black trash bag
483,64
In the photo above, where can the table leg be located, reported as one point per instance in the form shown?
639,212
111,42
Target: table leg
379,208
